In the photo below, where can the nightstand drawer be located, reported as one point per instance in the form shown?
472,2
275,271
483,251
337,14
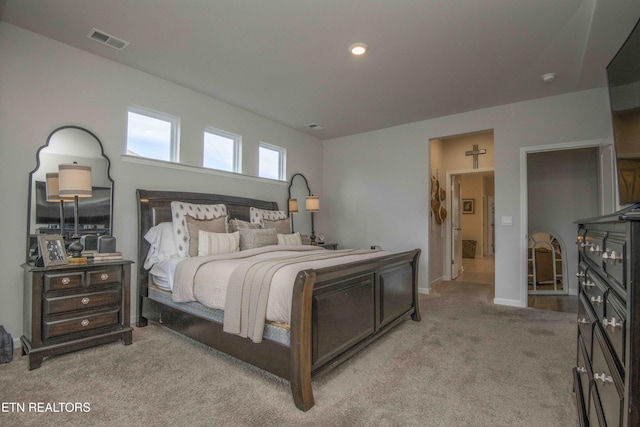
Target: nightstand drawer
62,281
104,276
57,328
80,302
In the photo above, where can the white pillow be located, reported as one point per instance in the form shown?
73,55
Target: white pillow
163,245
217,243
289,239
257,215
179,211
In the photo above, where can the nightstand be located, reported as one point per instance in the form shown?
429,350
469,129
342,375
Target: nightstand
332,246
72,307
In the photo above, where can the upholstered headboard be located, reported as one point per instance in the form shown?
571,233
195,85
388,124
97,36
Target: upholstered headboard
154,207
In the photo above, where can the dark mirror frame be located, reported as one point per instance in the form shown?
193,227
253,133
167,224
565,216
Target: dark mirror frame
28,257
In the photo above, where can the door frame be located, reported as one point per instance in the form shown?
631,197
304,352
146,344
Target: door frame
447,243
607,195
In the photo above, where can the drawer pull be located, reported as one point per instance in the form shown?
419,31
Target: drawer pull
85,322
581,369
85,301
584,321
588,284
597,300
595,249
104,276
613,323
65,280
580,274
603,377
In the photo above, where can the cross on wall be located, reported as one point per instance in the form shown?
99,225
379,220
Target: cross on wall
475,153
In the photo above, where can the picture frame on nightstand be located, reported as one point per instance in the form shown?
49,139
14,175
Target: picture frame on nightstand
52,249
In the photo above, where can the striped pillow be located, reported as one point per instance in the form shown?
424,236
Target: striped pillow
217,243
289,239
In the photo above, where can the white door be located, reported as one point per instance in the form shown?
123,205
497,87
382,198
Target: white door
456,229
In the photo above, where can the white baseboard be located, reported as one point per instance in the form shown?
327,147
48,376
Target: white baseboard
424,290
509,302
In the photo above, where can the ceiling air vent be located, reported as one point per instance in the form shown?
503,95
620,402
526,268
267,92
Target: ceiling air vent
108,39
314,126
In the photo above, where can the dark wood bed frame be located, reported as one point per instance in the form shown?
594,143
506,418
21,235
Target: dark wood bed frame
336,311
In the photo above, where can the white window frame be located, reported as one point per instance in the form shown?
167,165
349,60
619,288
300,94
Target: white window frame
237,148
282,152
174,145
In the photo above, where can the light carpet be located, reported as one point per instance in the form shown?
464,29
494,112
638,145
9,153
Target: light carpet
468,363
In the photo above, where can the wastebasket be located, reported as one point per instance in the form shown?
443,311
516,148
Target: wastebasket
468,249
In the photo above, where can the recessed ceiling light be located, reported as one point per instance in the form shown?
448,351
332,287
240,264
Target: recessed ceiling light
548,77
358,49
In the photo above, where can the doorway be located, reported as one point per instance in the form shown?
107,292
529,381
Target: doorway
561,184
470,230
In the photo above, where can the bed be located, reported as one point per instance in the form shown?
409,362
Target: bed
335,310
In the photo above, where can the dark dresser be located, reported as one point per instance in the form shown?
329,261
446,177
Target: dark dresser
71,307
607,372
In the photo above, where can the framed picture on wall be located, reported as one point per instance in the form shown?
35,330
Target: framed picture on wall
468,206
52,249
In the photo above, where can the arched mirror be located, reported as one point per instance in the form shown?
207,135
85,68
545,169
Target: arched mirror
69,144
545,266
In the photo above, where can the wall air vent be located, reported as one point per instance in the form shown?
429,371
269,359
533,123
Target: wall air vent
107,39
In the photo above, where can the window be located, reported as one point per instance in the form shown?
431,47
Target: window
271,161
221,150
152,135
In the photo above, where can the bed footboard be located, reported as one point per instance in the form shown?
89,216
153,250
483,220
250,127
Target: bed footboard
338,311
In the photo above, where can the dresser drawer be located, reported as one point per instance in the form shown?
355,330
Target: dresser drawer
606,379
596,417
92,300
585,374
586,320
104,276
56,328
594,245
63,281
595,290
614,324
614,257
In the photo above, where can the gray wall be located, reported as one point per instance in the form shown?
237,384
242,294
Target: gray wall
46,84
376,183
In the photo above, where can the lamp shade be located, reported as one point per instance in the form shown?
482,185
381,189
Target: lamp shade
313,204
52,187
293,206
74,180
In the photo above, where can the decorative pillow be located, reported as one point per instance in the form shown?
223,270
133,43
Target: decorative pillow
257,215
289,239
238,224
180,231
216,225
282,226
251,239
163,245
217,243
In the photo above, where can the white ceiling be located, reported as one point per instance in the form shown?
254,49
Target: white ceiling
287,60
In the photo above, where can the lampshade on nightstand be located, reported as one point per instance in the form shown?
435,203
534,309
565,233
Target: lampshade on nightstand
75,181
312,204
293,206
53,194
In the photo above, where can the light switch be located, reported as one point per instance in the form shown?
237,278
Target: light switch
506,220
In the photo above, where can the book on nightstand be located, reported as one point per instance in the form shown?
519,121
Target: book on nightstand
107,256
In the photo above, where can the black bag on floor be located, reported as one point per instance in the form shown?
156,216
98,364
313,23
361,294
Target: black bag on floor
6,346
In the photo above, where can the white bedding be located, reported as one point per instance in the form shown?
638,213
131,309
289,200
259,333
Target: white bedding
210,281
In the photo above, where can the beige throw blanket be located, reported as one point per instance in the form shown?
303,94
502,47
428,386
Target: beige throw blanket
248,292
249,284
